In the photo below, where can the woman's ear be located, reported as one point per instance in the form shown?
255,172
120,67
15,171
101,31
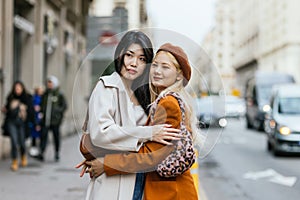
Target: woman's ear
179,76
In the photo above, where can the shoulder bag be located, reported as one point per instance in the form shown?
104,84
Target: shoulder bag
183,156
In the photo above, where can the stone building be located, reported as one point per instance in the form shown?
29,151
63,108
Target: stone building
40,38
262,35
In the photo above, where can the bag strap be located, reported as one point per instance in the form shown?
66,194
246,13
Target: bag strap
179,100
85,123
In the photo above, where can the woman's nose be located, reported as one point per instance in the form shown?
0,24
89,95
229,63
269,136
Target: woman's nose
134,61
157,70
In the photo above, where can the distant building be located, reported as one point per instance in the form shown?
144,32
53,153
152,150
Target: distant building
219,45
264,36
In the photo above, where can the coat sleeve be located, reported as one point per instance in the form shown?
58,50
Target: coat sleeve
30,110
104,132
152,153
63,103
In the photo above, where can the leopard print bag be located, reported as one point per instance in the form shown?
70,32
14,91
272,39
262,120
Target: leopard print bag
183,156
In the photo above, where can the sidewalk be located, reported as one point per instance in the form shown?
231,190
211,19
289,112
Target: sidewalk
46,180
50,180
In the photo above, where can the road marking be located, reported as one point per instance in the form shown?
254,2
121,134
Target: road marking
260,174
287,181
272,176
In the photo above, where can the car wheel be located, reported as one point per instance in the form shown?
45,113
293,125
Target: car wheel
261,127
269,146
249,125
275,151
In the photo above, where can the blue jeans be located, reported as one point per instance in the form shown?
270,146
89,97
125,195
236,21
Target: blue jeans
17,137
139,186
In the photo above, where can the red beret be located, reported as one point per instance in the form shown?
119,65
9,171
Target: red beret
181,58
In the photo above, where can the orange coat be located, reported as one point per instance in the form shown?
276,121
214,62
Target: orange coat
150,155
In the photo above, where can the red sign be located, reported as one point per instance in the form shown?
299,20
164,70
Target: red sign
108,38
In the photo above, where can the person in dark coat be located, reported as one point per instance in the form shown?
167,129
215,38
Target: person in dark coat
53,107
19,116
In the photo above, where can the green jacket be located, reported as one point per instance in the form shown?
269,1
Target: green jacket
53,107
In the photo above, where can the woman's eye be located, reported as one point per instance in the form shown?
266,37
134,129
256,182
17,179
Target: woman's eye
165,66
128,54
153,65
143,59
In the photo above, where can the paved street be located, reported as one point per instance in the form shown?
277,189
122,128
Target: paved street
241,168
48,180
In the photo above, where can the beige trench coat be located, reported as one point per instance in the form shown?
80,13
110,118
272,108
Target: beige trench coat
113,121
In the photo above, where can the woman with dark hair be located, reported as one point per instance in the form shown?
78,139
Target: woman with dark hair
19,113
140,85
118,109
167,173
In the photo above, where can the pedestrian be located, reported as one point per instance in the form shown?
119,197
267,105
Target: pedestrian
36,128
169,73
19,113
53,107
118,109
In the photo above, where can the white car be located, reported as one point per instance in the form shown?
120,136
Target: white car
235,107
282,122
211,111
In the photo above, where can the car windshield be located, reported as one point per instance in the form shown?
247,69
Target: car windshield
205,105
210,105
264,93
289,105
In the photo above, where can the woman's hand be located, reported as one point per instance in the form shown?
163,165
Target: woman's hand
4,110
163,134
84,167
96,167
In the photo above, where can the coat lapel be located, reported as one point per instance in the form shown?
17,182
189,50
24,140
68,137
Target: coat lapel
124,103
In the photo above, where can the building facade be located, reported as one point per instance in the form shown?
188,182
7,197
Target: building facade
219,44
136,9
279,37
265,37
40,38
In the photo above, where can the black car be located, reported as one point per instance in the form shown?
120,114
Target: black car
258,94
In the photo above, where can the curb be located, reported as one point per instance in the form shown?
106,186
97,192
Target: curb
195,174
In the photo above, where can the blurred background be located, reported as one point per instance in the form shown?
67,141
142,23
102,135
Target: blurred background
239,50
235,39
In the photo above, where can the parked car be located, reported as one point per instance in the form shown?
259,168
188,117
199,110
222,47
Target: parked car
235,107
283,121
211,111
258,93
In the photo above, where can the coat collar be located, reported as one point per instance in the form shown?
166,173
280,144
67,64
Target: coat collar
114,80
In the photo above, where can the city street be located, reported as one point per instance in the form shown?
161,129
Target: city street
238,168
241,168
48,180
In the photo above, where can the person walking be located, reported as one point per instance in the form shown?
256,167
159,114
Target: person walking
36,128
53,107
169,73
118,109
19,114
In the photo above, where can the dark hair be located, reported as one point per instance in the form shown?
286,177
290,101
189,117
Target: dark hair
13,94
140,85
23,97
